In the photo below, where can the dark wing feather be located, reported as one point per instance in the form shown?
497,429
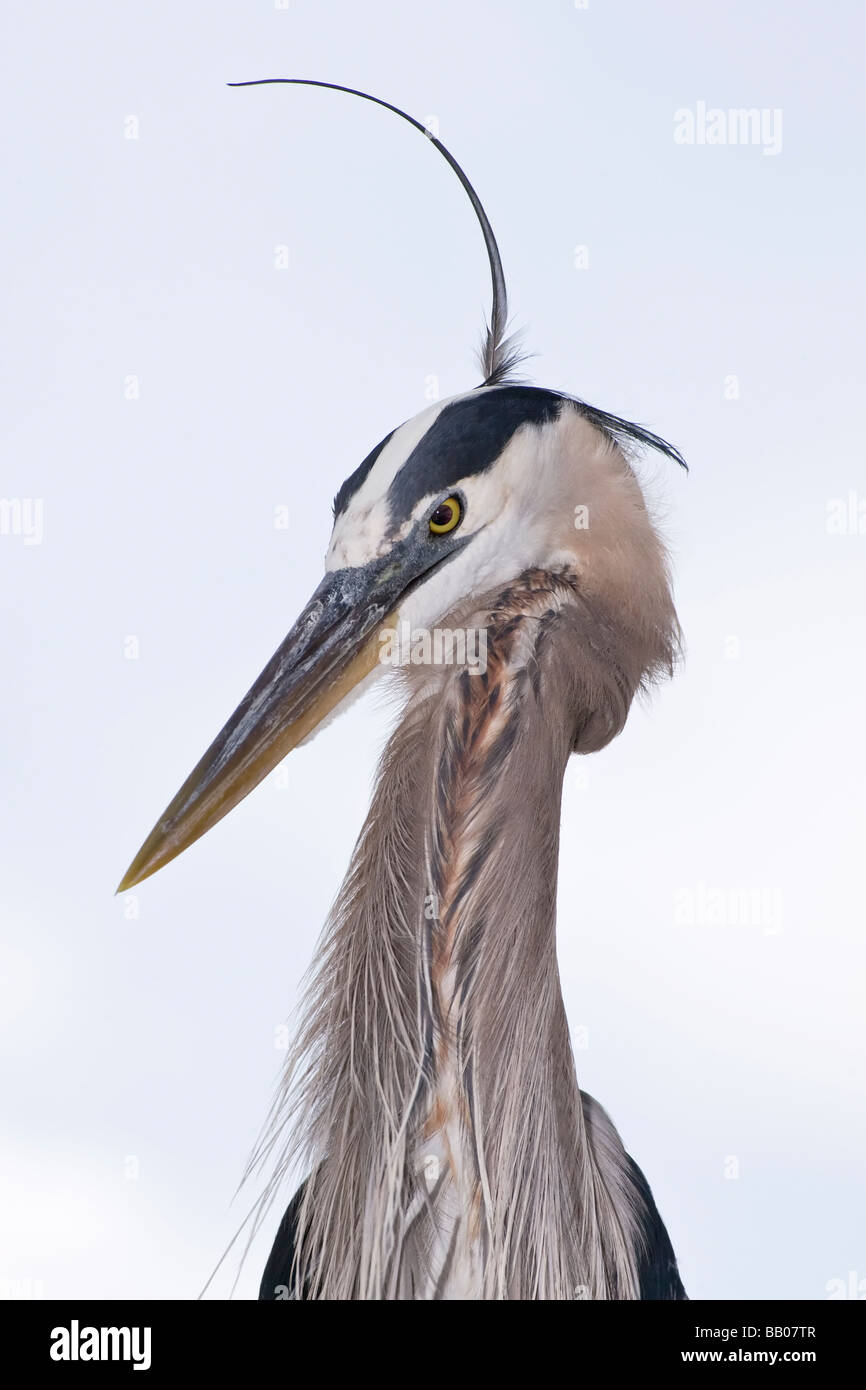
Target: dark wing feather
657,1271
277,1278
658,1275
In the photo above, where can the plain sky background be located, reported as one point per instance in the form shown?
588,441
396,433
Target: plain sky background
138,1034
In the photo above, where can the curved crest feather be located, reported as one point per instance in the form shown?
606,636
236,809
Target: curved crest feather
499,356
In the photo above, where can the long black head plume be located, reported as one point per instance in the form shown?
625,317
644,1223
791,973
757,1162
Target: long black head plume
499,355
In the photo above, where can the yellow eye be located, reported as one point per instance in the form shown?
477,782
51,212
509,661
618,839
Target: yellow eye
446,516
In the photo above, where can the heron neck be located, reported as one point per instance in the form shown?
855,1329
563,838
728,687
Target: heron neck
436,1027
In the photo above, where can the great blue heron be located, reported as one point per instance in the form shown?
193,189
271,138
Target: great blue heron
432,1093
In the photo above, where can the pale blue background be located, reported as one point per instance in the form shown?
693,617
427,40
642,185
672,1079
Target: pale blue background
716,1048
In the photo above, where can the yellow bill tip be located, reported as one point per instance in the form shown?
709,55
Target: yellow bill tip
203,800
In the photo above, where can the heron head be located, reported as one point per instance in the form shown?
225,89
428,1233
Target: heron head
470,493
461,498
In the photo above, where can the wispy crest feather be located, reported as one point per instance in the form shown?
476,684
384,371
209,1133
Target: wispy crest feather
499,355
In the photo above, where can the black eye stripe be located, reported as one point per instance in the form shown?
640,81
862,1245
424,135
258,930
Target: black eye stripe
470,434
467,438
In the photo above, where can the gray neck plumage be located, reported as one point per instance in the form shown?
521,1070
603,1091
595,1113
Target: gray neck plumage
433,1085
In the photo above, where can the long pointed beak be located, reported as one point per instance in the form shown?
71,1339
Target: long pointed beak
332,646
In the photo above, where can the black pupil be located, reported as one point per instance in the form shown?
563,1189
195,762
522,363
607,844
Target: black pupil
444,515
